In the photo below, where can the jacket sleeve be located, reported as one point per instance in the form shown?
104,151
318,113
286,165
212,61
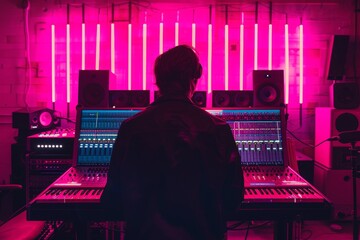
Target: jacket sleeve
233,190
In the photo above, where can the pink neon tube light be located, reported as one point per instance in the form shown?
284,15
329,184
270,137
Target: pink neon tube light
287,64
226,57
270,48
161,34
241,67
97,62
144,55
53,86
256,46
301,75
112,43
193,35
83,46
177,30
68,63
129,55
209,58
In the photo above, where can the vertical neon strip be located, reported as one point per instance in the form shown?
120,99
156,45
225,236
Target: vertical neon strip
270,38
144,55
129,56
68,63
161,35
301,75
256,46
287,64
270,48
53,86
193,32
97,60
177,29
112,50
193,35
241,67
226,57
209,58
83,46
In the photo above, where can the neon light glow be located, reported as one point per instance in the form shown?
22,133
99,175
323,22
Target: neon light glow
68,63
144,55
53,96
177,30
83,46
241,67
97,60
287,64
161,35
209,57
129,56
193,35
112,50
270,48
256,46
226,57
301,75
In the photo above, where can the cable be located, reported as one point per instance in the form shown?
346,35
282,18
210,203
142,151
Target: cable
68,119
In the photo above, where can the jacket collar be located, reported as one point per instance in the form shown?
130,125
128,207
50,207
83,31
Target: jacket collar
172,98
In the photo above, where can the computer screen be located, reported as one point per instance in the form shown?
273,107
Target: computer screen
259,134
96,132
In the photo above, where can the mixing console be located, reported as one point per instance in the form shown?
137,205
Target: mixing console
98,130
258,134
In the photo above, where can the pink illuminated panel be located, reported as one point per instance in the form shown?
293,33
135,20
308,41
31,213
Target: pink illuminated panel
83,46
68,96
229,52
97,60
287,64
53,86
112,51
301,59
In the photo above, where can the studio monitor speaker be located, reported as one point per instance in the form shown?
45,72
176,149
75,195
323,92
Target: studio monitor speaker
35,119
232,98
338,57
93,88
268,88
346,95
129,98
199,98
329,123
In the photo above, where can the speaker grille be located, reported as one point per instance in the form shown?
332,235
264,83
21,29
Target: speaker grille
93,88
268,88
232,98
129,98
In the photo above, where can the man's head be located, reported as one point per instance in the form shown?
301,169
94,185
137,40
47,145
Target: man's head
177,71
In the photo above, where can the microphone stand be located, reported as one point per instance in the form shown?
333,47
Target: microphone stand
355,175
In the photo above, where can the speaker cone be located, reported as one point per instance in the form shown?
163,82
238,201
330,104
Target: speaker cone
268,94
221,99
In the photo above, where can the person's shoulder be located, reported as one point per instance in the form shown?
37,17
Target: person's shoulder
210,116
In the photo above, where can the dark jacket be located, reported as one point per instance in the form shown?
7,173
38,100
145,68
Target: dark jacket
175,173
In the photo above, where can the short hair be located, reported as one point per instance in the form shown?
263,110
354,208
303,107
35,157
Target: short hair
176,68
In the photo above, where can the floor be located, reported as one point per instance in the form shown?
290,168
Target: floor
20,228
308,230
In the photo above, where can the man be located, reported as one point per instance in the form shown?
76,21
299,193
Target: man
175,171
